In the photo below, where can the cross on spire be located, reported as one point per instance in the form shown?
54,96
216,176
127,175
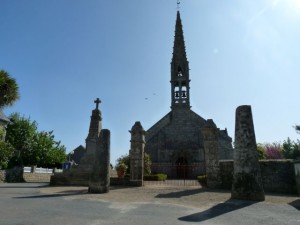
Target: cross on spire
178,4
97,101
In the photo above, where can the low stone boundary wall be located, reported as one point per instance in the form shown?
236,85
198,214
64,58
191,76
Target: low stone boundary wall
278,176
2,176
17,175
37,177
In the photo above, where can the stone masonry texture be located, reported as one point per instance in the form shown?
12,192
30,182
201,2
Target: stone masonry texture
100,179
137,154
278,175
247,182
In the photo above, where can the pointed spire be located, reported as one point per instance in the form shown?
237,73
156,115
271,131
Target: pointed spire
180,82
179,52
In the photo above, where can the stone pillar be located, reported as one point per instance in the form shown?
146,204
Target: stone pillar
137,154
210,138
100,179
247,182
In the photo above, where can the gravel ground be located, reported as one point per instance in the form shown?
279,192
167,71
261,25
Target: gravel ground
197,197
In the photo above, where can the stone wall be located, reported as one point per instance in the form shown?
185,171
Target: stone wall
278,176
2,176
37,177
16,175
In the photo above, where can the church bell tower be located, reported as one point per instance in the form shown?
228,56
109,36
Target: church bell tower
180,82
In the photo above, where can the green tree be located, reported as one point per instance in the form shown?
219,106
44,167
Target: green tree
6,152
20,133
49,153
291,149
9,90
31,146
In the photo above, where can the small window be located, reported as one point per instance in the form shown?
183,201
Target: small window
179,73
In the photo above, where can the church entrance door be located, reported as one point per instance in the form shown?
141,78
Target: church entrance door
182,168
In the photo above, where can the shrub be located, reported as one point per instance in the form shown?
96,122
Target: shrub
156,177
273,151
125,159
202,180
261,151
121,167
291,149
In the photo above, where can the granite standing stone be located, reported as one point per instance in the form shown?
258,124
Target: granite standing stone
99,179
247,182
137,154
210,139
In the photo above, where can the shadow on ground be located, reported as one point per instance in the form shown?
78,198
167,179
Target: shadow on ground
184,193
82,191
217,210
59,194
295,204
23,185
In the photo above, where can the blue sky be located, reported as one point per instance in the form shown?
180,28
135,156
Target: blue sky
66,53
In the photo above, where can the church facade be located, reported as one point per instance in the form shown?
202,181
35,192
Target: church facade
175,143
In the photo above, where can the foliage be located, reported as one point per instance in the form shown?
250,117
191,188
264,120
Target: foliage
9,90
261,151
6,152
147,164
273,151
2,133
202,180
121,167
291,149
31,146
126,160
297,128
156,177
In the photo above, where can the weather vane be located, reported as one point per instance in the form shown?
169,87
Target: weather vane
178,4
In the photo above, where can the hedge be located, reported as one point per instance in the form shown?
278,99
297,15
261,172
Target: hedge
156,177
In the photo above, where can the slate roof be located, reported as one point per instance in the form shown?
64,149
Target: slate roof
77,154
3,118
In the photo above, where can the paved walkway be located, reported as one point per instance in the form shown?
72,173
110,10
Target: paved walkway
33,204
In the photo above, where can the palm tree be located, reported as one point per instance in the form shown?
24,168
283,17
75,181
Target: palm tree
9,90
297,127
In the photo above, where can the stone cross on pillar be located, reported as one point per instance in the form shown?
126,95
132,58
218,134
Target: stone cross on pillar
97,101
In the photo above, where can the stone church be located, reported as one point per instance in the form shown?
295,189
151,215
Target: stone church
175,143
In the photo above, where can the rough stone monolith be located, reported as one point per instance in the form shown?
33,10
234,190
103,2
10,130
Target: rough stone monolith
210,140
100,179
247,182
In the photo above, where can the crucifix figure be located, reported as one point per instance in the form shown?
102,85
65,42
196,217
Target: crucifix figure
97,101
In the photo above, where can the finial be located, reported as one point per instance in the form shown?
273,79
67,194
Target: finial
97,101
178,5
